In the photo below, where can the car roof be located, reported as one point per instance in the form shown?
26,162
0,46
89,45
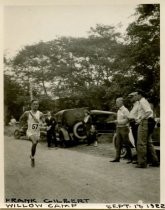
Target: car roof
93,111
102,112
68,110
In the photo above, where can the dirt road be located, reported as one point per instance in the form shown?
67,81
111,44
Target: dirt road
76,173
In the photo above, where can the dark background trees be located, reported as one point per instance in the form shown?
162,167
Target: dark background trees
73,72
144,35
14,98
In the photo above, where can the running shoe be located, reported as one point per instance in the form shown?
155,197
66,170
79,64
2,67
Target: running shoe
32,161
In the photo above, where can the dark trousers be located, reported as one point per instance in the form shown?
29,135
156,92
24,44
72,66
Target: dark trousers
122,138
91,137
134,128
51,138
144,145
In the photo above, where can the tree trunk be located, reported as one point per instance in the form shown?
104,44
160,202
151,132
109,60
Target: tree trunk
43,83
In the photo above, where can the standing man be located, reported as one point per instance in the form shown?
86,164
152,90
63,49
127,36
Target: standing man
144,144
33,118
90,129
133,115
122,131
51,135
88,123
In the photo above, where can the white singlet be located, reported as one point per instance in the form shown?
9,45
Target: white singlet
33,126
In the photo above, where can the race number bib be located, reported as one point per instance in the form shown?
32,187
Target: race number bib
34,126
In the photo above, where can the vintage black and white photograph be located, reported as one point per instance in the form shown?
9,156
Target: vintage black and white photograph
82,103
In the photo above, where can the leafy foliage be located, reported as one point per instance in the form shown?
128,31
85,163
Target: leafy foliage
14,97
144,47
74,72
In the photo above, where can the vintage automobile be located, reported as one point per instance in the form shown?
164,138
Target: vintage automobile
70,128
156,133
20,131
156,137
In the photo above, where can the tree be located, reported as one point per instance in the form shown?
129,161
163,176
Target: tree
73,68
14,98
93,71
144,48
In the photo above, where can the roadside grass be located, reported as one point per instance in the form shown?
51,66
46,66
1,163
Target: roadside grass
9,130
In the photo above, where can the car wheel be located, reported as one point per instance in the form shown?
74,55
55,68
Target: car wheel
63,143
17,134
79,131
123,152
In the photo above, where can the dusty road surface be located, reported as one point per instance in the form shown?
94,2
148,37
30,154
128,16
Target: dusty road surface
79,172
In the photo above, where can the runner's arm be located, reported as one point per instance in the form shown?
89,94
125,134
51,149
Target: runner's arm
23,119
42,118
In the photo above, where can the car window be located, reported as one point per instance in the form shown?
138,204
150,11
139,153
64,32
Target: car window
58,118
103,118
111,117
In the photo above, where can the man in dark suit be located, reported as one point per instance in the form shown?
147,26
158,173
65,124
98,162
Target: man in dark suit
51,135
90,129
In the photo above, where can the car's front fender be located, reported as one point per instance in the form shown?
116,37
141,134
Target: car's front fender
65,134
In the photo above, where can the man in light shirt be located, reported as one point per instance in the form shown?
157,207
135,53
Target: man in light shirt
144,143
122,131
33,118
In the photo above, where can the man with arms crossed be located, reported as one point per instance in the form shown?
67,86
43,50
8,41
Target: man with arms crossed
33,119
144,141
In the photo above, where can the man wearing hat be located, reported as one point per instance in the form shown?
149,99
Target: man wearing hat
144,144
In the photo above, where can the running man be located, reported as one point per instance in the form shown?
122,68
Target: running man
33,119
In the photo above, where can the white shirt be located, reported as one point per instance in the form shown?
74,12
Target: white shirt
134,111
122,117
144,110
33,126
